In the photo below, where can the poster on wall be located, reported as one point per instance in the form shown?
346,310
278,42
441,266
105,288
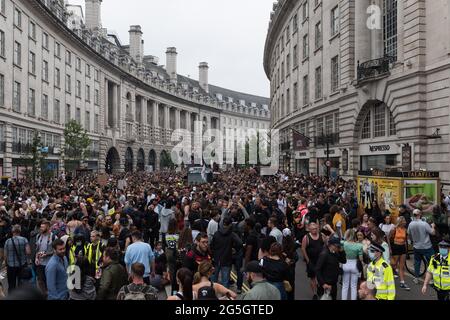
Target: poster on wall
421,194
387,193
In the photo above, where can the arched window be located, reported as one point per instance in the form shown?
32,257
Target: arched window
378,123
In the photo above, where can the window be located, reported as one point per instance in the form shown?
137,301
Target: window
329,124
283,111
295,98
78,115
68,83
87,121
282,71
295,56
57,50
288,33
335,74
56,111
17,54
318,83
78,89
295,24
2,90
282,43
2,6
288,101
334,20
31,102
305,11
18,18
319,126
68,112
45,40
305,46
57,78
45,71
392,130
288,64
44,108
97,97
305,90
365,134
32,30
88,93
88,70
96,122
318,36
78,64
390,28
97,75
2,43
16,97
379,129
32,63
69,58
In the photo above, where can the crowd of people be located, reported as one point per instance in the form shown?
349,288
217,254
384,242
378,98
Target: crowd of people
152,236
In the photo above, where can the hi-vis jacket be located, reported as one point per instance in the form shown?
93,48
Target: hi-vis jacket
380,274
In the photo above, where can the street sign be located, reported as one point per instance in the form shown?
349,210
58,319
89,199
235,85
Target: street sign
328,163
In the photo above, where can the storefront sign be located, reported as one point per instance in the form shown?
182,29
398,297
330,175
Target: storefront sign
385,147
302,155
331,152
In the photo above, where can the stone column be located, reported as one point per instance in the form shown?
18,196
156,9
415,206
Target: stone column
188,121
177,118
166,117
7,160
116,106
155,114
106,105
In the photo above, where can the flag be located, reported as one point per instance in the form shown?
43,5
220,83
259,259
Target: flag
300,141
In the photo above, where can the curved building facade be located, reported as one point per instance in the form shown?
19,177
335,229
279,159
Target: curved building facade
368,82
58,64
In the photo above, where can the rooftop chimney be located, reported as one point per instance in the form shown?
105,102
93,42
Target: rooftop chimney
171,63
93,14
203,76
136,43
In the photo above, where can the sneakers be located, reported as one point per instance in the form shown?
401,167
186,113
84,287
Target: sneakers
416,281
404,286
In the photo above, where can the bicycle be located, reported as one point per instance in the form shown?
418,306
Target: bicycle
409,263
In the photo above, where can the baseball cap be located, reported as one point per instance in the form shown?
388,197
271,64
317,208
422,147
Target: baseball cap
254,267
287,232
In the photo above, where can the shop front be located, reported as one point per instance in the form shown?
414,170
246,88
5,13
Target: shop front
379,156
302,162
333,156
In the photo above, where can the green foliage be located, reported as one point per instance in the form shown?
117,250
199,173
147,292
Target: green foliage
166,161
77,141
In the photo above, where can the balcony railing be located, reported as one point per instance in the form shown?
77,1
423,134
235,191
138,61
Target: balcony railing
374,68
331,139
22,148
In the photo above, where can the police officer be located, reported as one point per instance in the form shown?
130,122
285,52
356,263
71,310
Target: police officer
438,270
380,273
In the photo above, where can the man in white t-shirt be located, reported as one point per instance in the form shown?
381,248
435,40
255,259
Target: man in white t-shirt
282,204
274,231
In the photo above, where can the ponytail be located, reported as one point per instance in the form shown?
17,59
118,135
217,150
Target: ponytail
184,275
197,277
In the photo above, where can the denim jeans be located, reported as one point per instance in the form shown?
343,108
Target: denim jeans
418,254
237,263
225,275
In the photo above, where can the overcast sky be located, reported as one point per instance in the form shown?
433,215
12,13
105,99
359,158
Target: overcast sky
229,35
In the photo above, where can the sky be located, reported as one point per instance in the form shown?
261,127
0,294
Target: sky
229,35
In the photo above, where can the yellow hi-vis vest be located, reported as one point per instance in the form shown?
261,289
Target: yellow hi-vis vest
380,274
94,258
72,258
439,267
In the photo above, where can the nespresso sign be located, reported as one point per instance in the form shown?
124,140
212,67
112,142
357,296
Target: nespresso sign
381,148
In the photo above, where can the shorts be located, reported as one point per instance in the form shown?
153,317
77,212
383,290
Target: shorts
398,250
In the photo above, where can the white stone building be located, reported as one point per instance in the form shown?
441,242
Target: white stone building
379,95
52,71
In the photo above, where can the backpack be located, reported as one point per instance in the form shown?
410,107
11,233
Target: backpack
135,295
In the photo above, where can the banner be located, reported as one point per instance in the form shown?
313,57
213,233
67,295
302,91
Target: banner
387,193
301,142
421,194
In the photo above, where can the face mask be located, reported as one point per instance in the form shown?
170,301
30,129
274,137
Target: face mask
372,256
443,252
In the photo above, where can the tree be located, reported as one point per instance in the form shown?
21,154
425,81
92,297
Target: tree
36,158
77,142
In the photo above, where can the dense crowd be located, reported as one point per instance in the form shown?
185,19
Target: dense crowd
150,236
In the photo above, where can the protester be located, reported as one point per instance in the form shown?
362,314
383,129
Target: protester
184,281
56,272
138,289
140,252
114,276
261,288
17,257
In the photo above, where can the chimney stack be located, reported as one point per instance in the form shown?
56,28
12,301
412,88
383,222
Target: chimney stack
93,14
203,76
171,63
136,44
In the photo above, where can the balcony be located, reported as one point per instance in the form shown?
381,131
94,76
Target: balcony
331,139
22,148
374,69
